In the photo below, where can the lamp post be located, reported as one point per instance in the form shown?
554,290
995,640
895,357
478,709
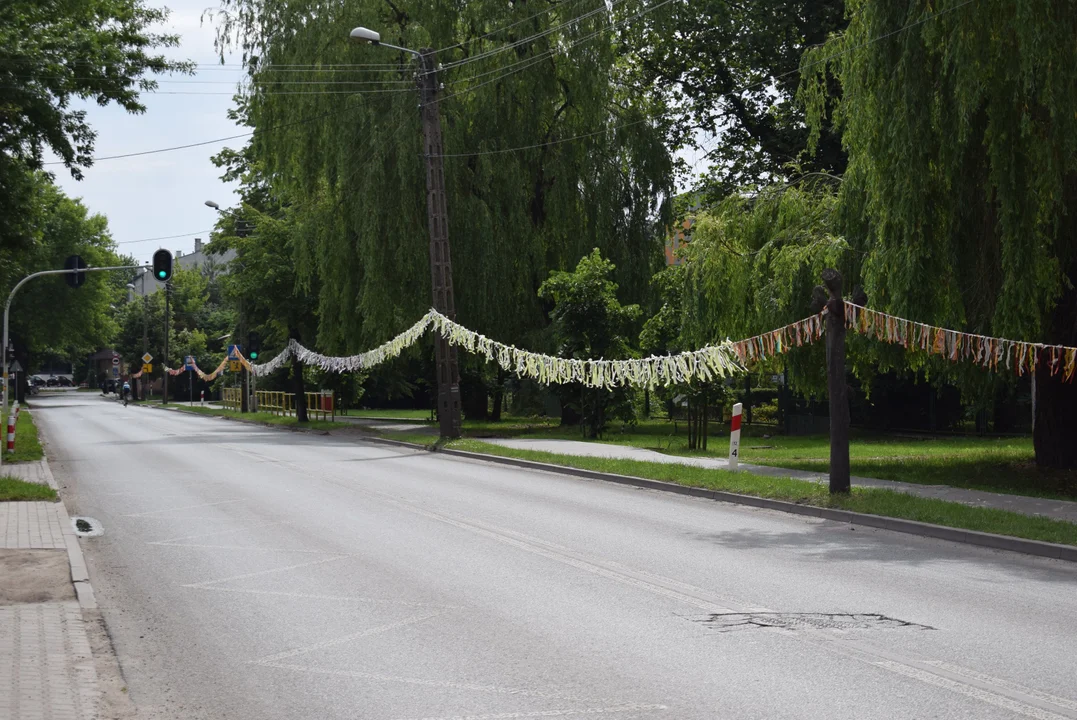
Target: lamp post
248,384
448,373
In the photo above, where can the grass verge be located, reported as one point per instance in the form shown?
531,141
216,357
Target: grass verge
27,444
1004,465
264,418
12,489
873,501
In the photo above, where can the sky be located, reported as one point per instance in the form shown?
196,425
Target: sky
164,194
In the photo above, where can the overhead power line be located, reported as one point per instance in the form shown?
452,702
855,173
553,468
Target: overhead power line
164,237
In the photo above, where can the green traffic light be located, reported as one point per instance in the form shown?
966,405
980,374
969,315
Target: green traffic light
161,274
254,356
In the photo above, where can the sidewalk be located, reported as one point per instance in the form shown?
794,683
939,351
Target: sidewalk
1057,509
46,668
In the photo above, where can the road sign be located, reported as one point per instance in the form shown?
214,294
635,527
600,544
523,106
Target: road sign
115,372
234,365
15,367
115,359
147,358
147,368
188,362
233,352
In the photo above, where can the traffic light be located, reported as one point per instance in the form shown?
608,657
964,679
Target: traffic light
162,265
254,346
75,279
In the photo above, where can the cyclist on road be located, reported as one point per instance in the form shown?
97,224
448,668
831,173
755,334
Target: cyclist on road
126,392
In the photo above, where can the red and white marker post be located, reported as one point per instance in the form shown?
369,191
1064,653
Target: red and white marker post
734,437
202,397
11,431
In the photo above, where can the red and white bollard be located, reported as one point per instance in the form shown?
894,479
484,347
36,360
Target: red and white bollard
734,437
202,397
11,431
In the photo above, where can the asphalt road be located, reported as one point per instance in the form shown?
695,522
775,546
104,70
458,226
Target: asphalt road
272,575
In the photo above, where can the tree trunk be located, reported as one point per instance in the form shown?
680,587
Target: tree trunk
499,396
705,419
300,391
690,411
1056,418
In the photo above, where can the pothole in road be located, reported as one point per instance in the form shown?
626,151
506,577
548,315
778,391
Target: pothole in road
87,527
727,622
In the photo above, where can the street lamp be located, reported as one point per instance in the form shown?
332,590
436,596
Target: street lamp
248,385
438,225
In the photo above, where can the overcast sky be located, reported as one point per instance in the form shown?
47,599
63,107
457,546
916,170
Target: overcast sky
164,194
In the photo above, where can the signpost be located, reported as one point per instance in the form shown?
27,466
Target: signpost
147,358
147,368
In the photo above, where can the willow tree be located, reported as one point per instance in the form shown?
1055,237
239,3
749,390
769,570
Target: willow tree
959,120
341,119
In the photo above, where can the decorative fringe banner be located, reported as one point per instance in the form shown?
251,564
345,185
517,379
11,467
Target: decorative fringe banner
705,364
988,352
708,363
777,342
208,377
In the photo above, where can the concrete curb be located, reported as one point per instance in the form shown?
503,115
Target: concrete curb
911,527
80,574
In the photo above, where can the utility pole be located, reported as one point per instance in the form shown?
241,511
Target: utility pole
164,360
832,300
448,372
145,336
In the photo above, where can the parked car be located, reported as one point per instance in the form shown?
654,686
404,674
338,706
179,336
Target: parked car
65,381
52,382
37,380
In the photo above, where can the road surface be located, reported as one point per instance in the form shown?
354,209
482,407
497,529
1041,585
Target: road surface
250,573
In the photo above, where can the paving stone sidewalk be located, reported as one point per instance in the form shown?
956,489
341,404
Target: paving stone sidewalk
46,667
1057,509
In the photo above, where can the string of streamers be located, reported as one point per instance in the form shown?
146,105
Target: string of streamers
208,377
705,364
988,352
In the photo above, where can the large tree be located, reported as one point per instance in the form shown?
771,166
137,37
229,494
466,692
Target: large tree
959,122
730,70
52,53
47,316
335,132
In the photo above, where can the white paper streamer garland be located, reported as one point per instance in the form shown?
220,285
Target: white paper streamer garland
708,363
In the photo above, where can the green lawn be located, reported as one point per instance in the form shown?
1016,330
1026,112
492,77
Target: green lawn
27,445
873,501
265,418
15,489
422,415
997,465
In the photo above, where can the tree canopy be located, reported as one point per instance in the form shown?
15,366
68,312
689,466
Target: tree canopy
528,76
53,52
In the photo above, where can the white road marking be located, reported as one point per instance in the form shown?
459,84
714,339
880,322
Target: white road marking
220,532
1061,702
340,598
238,547
447,684
971,691
549,713
180,509
207,583
346,638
